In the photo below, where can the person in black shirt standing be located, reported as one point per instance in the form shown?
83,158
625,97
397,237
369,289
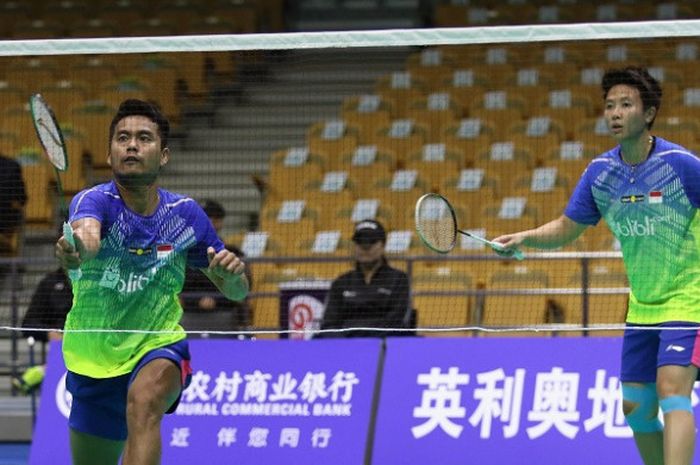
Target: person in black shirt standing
373,295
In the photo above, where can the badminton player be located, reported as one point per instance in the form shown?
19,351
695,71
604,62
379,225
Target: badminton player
648,191
133,242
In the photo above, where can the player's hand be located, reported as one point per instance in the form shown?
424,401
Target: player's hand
67,255
508,245
224,263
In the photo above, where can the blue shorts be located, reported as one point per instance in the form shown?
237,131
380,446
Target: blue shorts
644,351
99,404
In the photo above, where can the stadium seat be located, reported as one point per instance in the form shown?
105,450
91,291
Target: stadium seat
594,131
365,172
17,121
392,139
92,120
290,171
327,242
39,208
436,112
514,310
681,130
399,89
266,313
442,311
493,219
93,27
330,139
287,233
65,94
365,114
345,216
434,163
431,66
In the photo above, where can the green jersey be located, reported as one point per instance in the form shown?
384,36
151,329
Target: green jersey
126,302
652,209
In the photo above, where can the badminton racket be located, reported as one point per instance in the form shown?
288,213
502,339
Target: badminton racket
49,133
436,224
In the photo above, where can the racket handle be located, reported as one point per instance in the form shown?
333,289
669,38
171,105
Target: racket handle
76,273
515,253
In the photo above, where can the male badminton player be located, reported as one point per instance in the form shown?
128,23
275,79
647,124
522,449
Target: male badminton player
133,242
648,191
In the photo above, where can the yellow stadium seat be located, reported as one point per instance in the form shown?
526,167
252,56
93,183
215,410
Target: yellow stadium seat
286,181
65,94
92,120
366,124
331,148
442,311
434,116
500,119
399,96
40,200
401,146
514,310
266,312
492,222
434,172
362,178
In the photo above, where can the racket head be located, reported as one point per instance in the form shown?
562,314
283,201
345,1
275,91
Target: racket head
49,132
436,223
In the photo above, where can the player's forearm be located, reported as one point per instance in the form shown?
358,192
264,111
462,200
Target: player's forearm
554,234
87,235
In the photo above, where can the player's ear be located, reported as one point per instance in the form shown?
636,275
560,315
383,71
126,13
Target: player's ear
649,114
164,156
109,159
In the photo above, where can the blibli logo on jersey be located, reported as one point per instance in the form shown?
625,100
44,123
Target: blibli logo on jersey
635,228
134,282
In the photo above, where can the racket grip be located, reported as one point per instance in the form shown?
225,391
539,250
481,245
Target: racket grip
76,273
515,253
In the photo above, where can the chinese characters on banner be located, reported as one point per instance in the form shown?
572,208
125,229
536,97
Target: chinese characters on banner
250,402
488,401
502,400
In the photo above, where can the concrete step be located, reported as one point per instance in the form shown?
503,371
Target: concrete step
275,116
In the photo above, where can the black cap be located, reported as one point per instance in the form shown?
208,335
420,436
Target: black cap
368,232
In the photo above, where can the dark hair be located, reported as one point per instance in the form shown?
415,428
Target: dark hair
135,107
639,78
213,209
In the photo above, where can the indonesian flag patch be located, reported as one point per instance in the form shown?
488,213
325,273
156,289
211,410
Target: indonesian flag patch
656,197
163,251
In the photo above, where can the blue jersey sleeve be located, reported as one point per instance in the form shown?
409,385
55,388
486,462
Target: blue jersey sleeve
206,237
687,166
90,203
582,207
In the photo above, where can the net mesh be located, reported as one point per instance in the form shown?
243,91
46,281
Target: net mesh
301,136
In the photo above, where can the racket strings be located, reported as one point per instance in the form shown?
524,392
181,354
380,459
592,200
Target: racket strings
436,224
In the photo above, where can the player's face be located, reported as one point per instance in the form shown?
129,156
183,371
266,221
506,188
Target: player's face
367,253
135,152
624,113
